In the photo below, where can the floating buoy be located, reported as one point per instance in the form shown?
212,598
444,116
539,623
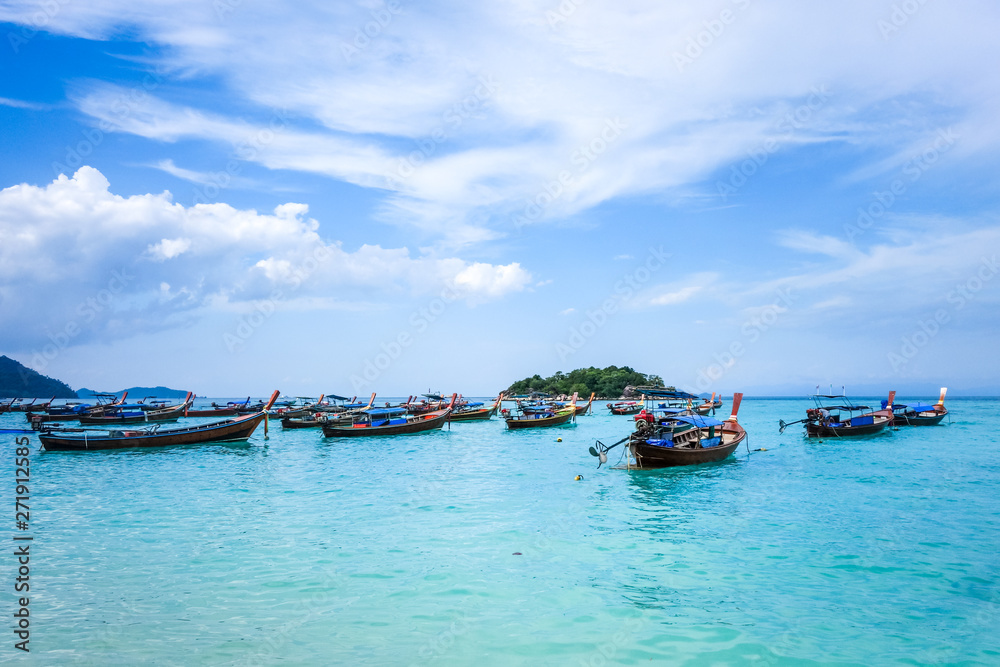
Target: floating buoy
578,478
558,439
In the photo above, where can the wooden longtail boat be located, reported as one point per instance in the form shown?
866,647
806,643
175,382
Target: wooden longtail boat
337,416
829,421
135,414
472,412
389,421
229,430
625,407
920,415
709,405
552,417
71,412
682,440
584,409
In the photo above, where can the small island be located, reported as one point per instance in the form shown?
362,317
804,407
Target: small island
608,383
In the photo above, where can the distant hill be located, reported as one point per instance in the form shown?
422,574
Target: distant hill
17,380
137,392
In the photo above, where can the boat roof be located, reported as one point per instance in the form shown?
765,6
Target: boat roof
916,407
337,398
653,392
698,420
844,407
384,412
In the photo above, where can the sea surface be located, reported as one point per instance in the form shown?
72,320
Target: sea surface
476,545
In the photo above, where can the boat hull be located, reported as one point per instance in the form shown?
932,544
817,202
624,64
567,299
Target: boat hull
652,456
541,422
296,422
817,430
171,415
415,426
916,420
221,412
475,415
227,431
43,417
648,456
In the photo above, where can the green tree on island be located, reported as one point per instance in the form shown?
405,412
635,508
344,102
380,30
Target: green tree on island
609,382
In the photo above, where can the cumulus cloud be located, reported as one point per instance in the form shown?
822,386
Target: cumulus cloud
152,263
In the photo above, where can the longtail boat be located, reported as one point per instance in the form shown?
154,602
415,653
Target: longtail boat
388,421
230,430
214,411
585,408
919,414
138,413
710,405
551,417
681,440
73,411
475,411
625,407
839,420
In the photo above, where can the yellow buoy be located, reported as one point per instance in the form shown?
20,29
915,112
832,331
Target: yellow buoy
558,439
578,478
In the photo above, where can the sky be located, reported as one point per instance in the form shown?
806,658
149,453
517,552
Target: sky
238,196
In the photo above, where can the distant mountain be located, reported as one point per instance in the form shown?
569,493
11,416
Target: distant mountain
137,393
17,380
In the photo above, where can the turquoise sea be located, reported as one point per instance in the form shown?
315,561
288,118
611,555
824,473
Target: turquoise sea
477,546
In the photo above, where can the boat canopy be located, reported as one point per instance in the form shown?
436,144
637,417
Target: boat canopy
918,407
386,412
652,392
696,420
337,398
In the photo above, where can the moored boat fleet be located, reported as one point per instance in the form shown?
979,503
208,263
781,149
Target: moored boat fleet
670,428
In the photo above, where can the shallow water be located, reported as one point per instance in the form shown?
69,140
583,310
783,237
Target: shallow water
305,550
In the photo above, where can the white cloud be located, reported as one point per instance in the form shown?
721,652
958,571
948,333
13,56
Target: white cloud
467,128
169,248
675,297
75,240
22,104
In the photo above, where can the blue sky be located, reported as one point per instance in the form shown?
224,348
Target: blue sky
237,196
